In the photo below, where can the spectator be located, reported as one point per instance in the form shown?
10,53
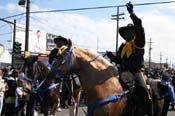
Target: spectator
10,97
20,98
2,90
166,80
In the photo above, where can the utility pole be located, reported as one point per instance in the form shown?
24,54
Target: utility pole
150,48
117,18
97,44
14,37
27,25
160,60
22,3
167,62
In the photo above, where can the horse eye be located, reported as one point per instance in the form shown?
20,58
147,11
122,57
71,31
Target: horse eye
63,62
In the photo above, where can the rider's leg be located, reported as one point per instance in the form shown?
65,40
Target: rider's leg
141,81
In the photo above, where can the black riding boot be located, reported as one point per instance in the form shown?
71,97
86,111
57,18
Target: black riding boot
150,108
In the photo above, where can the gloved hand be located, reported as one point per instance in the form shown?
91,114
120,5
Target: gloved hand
109,54
129,7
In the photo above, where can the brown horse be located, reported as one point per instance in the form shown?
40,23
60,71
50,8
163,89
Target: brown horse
99,79
39,71
49,86
71,91
163,101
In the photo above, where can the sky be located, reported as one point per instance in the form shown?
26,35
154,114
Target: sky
94,29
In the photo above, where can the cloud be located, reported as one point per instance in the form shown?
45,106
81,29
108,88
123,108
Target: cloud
169,7
11,7
80,28
160,28
90,33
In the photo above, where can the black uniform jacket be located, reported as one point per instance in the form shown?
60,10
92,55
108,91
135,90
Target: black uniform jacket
135,61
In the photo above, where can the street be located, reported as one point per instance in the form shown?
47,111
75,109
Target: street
65,112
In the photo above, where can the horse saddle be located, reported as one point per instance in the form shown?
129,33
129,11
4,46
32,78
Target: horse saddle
127,80
158,89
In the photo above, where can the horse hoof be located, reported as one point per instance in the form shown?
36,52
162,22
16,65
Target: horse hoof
59,109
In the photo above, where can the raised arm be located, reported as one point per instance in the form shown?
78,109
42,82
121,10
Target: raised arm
139,30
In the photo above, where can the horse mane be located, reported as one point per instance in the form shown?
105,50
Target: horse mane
100,66
89,54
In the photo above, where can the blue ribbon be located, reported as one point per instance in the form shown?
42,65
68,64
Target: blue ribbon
105,101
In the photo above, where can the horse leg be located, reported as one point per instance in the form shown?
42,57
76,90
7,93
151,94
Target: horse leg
172,106
158,107
78,101
44,106
167,100
54,108
73,110
45,110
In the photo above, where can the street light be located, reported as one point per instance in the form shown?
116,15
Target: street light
22,3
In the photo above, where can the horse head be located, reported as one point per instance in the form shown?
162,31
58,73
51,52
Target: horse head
40,70
63,64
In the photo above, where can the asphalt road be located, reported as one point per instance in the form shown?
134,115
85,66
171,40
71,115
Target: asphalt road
65,112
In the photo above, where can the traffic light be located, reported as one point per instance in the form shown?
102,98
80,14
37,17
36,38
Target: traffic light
17,48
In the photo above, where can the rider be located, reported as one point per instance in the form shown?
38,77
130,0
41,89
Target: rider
166,79
61,43
130,56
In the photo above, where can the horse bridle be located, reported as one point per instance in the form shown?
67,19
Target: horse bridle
69,51
53,85
71,54
37,70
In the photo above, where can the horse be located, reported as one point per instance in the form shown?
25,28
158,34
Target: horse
100,81
70,90
49,86
164,103
45,97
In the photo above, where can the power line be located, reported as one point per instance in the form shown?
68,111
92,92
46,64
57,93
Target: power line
1,26
13,16
89,8
101,7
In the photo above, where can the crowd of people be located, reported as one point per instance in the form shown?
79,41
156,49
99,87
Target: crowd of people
17,98
167,77
12,91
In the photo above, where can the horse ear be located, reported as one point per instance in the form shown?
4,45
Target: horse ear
69,45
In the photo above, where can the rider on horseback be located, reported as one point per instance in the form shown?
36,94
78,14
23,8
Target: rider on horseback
130,56
61,43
